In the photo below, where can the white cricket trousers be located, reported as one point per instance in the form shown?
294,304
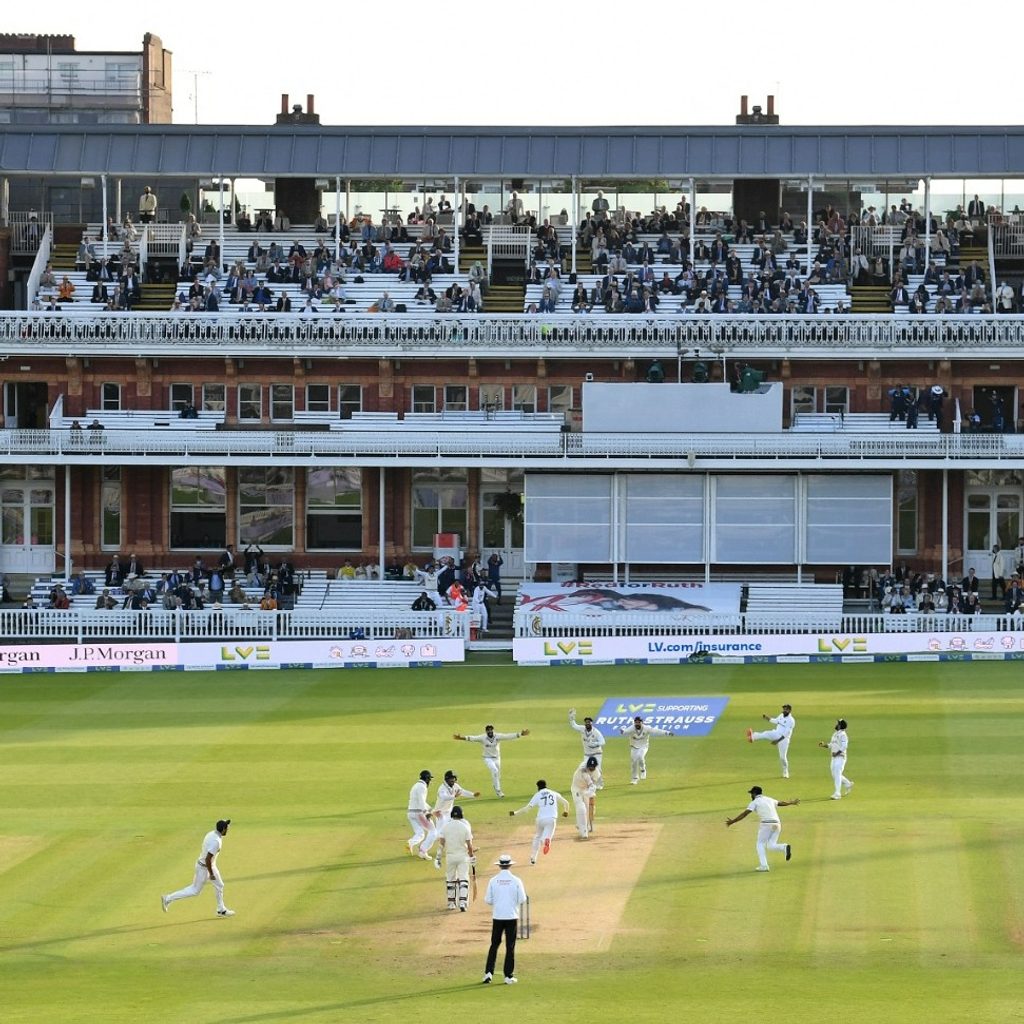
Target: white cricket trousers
545,830
783,745
421,829
456,878
839,780
201,878
493,765
638,763
768,839
582,813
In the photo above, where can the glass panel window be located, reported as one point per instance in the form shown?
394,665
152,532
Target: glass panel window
198,507
266,506
350,400
439,500
181,395
250,402
110,397
1007,520
492,396
334,509
214,399
318,398
110,508
524,397
456,397
559,398
803,399
423,398
906,512
41,524
837,400
282,401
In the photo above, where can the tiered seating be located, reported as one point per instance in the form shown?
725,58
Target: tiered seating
799,600
140,419
456,420
854,422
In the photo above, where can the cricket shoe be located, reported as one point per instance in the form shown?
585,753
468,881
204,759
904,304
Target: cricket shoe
785,775
789,853
451,906
487,978
836,796
634,782
750,735
847,787
547,845
511,981
225,913
463,909
533,860
501,796
437,863
424,856
643,773
164,904
762,869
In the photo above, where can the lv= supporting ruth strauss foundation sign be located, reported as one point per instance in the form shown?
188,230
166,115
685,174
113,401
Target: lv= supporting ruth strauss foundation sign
681,716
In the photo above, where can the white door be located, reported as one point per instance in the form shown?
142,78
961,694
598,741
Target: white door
26,528
500,532
993,516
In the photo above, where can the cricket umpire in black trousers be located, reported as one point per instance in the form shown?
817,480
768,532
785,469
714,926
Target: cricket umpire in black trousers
505,894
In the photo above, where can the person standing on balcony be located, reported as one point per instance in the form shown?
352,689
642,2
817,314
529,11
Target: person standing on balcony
147,206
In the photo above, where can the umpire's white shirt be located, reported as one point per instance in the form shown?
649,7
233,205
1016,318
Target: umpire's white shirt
504,894
766,809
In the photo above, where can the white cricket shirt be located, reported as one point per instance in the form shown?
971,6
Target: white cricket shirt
418,796
212,843
787,723
837,745
766,809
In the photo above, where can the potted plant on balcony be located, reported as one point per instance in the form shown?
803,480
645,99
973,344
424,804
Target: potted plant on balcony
510,505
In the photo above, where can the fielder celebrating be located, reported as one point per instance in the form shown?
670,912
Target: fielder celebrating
491,742
639,742
593,743
419,815
447,793
456,844
546,801
836,747
780,736
584,789
767,811
206,871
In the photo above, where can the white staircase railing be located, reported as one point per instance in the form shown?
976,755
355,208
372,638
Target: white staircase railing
39,265
27,230
507,241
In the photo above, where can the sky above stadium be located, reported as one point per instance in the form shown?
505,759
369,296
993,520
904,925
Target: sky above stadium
570,63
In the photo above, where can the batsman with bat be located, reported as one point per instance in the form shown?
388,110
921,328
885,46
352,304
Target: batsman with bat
584,791
456,843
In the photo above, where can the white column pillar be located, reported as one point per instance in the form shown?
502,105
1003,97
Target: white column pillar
103,229
220,222
5,201
67,524
693,219
348,200
457,216
337,216
945,525
574,221
927,222
118,213
380,522
231,206
810,222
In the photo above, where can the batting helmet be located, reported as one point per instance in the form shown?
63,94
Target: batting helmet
456,811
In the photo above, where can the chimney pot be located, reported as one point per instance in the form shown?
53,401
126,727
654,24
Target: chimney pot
771,106
284,103
743,106
309,103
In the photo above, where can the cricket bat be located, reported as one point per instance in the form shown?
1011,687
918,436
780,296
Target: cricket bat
473,869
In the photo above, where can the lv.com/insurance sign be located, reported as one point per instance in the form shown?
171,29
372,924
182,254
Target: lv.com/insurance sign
682,716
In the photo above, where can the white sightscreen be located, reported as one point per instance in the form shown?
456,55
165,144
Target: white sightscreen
755,519
849,519
663,520
568,518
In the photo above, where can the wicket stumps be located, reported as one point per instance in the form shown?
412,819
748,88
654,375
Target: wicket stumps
524,919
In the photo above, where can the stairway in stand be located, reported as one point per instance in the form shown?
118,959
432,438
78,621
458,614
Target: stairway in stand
870,298
969,253
63,256
156,298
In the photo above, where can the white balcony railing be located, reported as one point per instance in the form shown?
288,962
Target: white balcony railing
409,335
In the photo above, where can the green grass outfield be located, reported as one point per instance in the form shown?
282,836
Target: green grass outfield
903,903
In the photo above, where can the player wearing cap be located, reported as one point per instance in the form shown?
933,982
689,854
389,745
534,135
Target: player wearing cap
836,748
593,743
456,843
419,814
780,736
505,894
584,789
767,811
491,742
546,801
639,742
206,871
447,793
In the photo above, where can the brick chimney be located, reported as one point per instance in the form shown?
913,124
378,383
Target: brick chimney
757,115
296,115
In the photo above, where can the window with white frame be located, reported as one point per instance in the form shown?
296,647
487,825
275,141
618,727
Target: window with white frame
560,398
524,397
110,508
350,400
214,398
424,398
334,508
181,395
837,400
318,398
282,401
110,397
439,502
492,397
803,399
250,402
456,398
906,512
266,506
198,507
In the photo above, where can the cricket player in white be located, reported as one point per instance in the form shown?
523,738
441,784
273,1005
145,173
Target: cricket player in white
770,827
419,815
780,736
639,742
546,801
593,743
478,603
447,793
206,871
491,742
584,790
457,846
836,748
